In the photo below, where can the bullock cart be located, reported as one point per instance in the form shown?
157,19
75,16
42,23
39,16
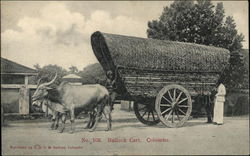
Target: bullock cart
161,77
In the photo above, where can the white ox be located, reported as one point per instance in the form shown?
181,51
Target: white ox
78,98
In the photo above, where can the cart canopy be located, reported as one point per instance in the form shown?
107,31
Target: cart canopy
133,52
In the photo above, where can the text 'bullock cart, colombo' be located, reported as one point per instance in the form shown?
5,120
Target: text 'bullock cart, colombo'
161,77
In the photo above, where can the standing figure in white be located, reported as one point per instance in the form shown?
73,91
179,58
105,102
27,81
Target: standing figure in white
219,105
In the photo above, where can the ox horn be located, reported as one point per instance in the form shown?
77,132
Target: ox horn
49,83
39,81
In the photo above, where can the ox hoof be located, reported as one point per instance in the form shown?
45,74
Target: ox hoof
52,126
61,130
87,127
56,126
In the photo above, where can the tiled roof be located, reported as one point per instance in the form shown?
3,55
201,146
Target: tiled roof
71,76
8,66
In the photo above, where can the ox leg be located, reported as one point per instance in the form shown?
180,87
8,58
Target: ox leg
72,121
57,121
87,126
53,124
97,118
91,118
63,118
53,120
110,122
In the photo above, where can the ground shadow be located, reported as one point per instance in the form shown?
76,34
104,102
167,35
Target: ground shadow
7,125
198,123
130,120
139,125
123,123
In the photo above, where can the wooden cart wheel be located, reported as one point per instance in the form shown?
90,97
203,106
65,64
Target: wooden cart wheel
173,105
146,114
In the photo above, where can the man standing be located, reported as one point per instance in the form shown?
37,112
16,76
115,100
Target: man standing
111,86
219,105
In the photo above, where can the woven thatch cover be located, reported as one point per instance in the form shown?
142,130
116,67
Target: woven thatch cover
116,50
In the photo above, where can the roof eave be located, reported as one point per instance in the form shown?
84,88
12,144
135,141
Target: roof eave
31,74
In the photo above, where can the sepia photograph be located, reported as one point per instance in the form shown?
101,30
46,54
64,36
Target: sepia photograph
125,77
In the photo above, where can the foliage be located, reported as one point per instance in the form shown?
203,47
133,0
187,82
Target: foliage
73,70
239,71
47,73
93,74
198,23
201,23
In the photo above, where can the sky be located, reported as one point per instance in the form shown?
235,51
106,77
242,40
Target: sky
58,32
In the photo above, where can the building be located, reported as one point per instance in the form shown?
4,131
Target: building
73,79
17,85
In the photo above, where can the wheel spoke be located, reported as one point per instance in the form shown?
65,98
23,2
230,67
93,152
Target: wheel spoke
166,111
166,99
182,100
174,94
178,115
144,113
163,104
148,116
170,96
178,97
182,106
173,117
169,114
153,115
181,111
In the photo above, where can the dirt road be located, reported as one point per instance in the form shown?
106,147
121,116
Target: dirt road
128,136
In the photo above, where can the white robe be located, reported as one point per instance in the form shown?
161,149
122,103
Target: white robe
219,104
